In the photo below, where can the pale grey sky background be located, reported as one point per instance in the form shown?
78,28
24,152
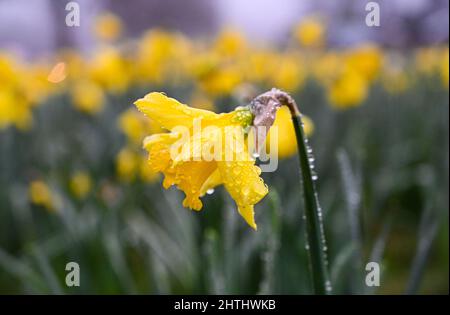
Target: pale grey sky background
36,27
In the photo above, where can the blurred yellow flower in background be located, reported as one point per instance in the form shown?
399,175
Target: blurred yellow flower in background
202,102
41,195
366,59
75,64
80,184
310,32
395,80
14,110
9,68
135,126
194,175
350,89
131,165
230,43
427,60
445,67
260,65
162,55
109,69
127,164
289,74
87,96
108,26
35,85
221,81
326,67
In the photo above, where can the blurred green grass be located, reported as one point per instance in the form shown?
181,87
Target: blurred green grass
381,166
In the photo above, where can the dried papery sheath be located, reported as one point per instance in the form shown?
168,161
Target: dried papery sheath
264,109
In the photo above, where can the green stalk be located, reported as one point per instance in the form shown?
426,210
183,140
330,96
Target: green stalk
264,108
315,237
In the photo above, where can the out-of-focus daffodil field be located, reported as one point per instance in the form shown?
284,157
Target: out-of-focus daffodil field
75,185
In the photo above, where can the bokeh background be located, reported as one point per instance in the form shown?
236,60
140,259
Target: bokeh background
75,186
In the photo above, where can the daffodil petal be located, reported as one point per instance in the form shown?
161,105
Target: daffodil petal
212,182
158,147
247,212
190,177
168,112
242,181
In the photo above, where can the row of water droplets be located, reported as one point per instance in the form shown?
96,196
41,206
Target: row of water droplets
314,177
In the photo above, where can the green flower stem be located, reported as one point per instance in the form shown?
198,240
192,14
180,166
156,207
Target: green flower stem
264,108
314,226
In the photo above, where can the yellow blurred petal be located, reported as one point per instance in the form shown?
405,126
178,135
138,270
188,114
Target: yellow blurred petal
366,59
40,194
444,68
108,26
310,32
80,184
349,90
127,163
87,97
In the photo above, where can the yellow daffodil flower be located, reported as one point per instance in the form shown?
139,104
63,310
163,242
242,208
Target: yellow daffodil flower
366,59
289,74
310,32
127,164
88,97
325,67
108,27
41,195
259,66
230,43
444,68
80,184
14,110
427,60
162,56
193,173
349,90
109,69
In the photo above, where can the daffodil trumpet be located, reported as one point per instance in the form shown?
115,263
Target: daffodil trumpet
264,108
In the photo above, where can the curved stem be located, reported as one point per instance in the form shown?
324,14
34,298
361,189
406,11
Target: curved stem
315,237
